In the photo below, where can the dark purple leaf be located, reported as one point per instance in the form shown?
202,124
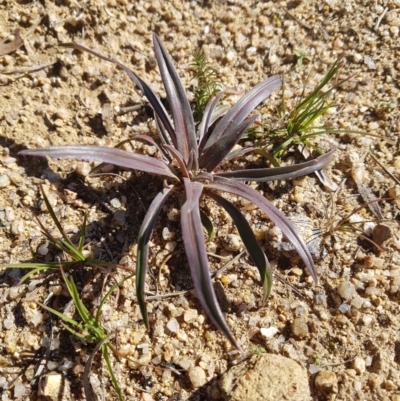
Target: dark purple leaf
155,102
178,157
242,108
281,221
115,156
205,121
193,241
215,154
143,247
280,173
179,104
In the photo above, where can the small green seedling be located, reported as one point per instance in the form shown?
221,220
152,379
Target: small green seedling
301,57
389,106
73,253
207,84
317,359
257,350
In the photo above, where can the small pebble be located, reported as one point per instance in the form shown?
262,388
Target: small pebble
3,382
51,386
62,113
197,377
381,233
36,318
167,235
300,328
170,246
320,298
232,242
229,279
10,216
359,365
357,302
341,320
314,369
367,320
83,168
19,390
370,63
4,181
182,336
17,227
173,325
344,308
119,217
115,202
346,290
326,381
8,323
15,178
43,249
268,332
189,315
14,292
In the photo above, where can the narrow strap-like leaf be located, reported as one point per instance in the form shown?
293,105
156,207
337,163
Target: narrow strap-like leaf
204,176
205,121
243,107
238,153
104,154
143,248
281,221
207,224
249,240
280,173
216,153
55,220
193,241
155,102
179,104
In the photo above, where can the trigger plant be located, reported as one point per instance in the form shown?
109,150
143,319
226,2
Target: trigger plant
191,159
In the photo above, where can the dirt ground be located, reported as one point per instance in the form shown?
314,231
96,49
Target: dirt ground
348,324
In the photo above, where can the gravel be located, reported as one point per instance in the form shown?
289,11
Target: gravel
351,313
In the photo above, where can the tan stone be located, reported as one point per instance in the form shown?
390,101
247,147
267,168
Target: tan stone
265,377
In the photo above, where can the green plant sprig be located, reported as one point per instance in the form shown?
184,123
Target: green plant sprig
298,125
207,84
74,253
90,325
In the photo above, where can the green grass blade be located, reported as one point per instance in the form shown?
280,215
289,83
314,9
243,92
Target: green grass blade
81,242
65,318
80,307
208,225
54,218
110,369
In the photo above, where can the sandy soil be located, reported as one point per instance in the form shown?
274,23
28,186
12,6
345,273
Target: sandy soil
348,324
